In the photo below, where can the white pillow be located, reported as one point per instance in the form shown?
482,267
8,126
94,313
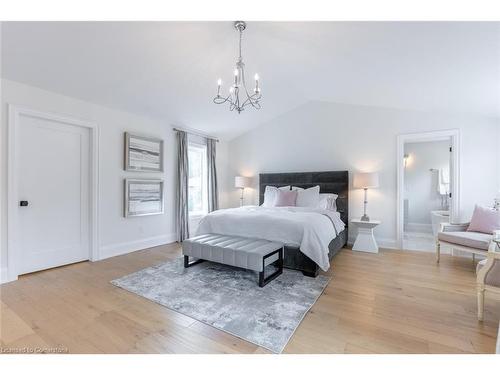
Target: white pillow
308,197
270,195
328,202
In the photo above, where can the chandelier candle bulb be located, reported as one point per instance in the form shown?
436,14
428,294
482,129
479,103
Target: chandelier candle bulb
219,84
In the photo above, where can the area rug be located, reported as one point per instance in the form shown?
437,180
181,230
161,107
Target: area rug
229,298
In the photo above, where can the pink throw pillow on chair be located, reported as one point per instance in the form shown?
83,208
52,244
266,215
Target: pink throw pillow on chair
286,198
484,220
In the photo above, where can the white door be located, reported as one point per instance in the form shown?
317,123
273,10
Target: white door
53,190
451,204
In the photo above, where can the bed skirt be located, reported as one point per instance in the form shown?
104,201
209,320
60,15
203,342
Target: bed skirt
296,260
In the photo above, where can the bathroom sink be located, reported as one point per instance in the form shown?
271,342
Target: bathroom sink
438,217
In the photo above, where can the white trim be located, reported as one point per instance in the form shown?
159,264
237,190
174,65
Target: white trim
454,135
4,275
14,112
122,248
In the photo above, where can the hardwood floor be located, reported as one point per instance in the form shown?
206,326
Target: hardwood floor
391,302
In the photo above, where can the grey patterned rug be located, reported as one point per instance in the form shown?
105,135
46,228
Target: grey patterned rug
229,298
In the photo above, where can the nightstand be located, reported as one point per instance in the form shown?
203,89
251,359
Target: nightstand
365,241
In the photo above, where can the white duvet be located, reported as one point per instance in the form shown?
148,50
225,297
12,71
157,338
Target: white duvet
309,229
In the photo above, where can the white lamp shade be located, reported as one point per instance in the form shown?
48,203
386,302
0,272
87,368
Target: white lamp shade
365,180
242,182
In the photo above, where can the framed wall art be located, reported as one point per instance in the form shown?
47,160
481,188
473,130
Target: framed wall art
143,197
143,153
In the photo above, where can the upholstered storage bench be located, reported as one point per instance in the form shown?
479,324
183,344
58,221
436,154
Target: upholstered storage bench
249,253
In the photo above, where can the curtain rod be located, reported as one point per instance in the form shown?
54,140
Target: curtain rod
195,133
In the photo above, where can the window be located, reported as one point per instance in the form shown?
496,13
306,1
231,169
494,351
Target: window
198,179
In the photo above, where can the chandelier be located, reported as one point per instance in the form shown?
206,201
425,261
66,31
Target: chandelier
239,97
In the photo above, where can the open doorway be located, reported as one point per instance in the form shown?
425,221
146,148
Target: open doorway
427,187
426,200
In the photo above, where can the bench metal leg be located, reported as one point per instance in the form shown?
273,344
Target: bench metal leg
187,263
279,263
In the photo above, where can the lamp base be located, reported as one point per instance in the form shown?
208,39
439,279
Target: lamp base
241,197
365,217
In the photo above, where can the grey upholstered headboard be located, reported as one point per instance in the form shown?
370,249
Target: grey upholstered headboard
336,182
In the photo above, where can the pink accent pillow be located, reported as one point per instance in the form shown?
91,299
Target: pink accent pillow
286,198
484,220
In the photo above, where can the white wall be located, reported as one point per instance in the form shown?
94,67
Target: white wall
3,134
498,158
328,136
420,183
116,234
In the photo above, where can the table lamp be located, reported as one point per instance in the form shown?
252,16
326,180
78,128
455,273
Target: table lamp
241,182
365,181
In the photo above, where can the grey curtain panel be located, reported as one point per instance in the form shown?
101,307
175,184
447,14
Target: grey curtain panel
213,193
182,211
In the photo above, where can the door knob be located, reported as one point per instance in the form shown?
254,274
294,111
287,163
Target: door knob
23,203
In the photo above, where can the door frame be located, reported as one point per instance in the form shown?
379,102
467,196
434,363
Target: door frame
454,135
14,113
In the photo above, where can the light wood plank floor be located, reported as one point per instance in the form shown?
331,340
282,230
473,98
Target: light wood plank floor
391,302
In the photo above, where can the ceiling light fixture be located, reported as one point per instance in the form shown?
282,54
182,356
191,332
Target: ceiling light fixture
239,88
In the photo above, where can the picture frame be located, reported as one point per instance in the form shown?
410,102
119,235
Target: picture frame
143,197
143,153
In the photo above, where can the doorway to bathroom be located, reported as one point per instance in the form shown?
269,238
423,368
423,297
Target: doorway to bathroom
428,195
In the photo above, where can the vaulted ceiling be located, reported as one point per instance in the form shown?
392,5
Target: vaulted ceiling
169,70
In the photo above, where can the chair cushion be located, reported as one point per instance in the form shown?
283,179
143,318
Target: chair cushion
469,239
493,276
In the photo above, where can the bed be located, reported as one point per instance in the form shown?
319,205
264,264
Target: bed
306,232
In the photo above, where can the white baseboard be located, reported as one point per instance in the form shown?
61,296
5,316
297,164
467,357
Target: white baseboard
5,277
113,250
109,251
387,243
418,227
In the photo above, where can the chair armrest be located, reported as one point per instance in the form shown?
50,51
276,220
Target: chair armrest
448,227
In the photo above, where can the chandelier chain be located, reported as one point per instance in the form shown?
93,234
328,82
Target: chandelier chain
241,37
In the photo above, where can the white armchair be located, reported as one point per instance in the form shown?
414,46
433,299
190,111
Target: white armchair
488,274
456,237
